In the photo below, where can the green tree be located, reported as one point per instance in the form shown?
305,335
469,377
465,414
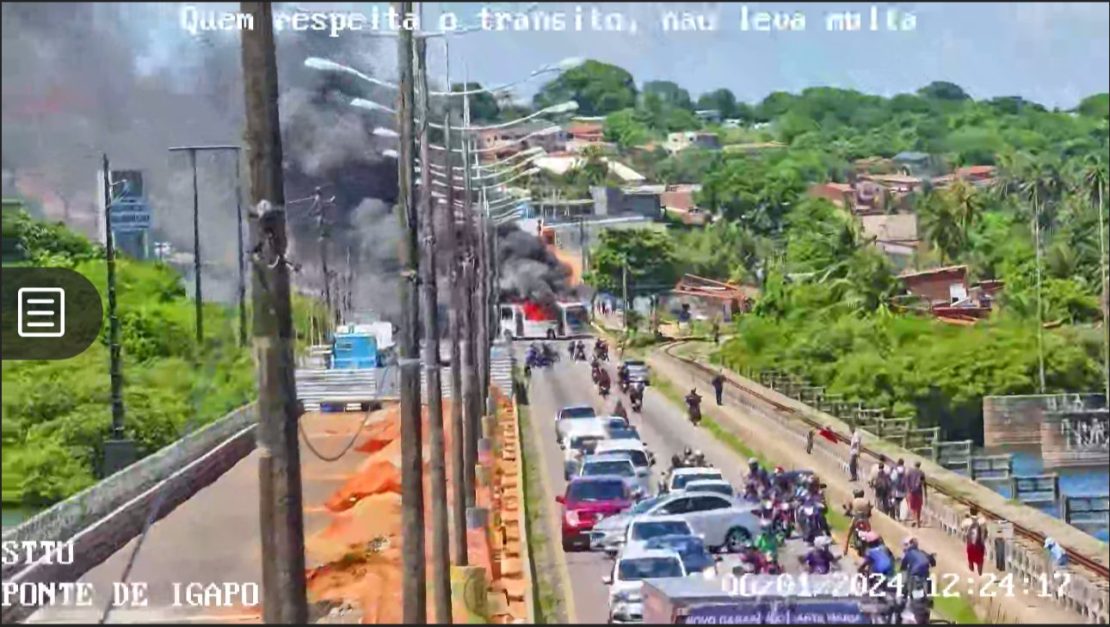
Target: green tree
626,128
720,99
483,105
943,90
669,93
598,88
941,225
1095,106
648,254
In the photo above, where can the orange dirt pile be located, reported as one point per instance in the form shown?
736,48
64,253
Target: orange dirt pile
375,476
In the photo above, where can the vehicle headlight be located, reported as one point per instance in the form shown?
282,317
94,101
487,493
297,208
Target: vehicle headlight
572,517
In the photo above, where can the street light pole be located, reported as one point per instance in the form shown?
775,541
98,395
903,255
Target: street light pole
471,410
239,247
192,150
413,582
118,452
279,466
441,539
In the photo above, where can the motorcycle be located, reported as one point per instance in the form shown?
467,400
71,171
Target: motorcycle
859,527
637,404
624,386
693,410
595,373
919,600
783,520
603,388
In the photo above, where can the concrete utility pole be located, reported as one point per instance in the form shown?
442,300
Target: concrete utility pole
624,293
471,400
118,452
441,539
458,432
413,583
279,466
320,208
192,150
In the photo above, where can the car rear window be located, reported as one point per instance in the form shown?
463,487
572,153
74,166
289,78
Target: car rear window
638,457
649,568
681,480
578,412
585,443
596,491
654,529
621,467
719,488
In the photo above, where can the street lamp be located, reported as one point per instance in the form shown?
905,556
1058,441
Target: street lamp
317,63
563,107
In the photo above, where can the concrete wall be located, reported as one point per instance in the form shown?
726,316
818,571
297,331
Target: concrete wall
1016,420
104,517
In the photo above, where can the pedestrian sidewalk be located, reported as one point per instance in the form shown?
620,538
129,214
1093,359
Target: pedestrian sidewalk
783,443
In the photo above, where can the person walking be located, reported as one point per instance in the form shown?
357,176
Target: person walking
898,488
853,455
809,441
974,528
719,387
916,486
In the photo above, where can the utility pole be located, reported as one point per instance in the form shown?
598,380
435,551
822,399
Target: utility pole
320,207
582,244
624,292
458,433
118,452
413,582
239,246
441,539
192,150
279,466
471,411
1040,306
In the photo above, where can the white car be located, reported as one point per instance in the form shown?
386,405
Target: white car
638,371
644,528
581,438
626,601
617,464
571,414
636,451
722,522
721,487
679,477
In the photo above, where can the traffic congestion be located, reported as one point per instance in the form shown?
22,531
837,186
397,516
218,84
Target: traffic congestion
638,513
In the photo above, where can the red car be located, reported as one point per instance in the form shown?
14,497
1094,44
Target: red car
588,500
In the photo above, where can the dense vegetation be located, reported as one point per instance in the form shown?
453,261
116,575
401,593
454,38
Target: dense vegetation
828,309
56,414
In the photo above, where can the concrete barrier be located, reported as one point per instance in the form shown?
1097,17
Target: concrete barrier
106,516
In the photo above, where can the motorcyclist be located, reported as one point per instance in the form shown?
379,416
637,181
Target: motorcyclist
771,564
580,351
693,406
619,410
812,521
767,541
699,459
603,381
859,508
915,566
877,558
595,370
819,560
636,395
751,560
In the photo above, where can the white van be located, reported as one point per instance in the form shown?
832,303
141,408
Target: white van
581,438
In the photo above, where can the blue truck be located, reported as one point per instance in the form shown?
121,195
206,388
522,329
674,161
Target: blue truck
355,349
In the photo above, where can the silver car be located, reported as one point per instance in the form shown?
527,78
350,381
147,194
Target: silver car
568,415
723,523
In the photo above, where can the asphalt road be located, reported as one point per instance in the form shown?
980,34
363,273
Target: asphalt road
663,426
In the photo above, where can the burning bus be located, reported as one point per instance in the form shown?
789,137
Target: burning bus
527,319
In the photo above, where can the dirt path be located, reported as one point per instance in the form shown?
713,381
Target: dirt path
770,435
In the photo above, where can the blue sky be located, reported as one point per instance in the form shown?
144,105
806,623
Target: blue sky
1053,53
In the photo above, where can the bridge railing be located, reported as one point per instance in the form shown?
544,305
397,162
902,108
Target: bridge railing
1085,594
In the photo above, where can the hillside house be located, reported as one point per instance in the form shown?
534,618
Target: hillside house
678,201
977,175
914,163
895,235
709,299
677,142
641,200
709,116
946,294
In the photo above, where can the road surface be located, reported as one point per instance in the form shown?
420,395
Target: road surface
663,426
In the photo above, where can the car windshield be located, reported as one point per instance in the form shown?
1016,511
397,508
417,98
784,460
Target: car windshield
621,467
624,433
648,568
683,545
634,364
617,422
680,481
719,488
654,529
596,491
578,412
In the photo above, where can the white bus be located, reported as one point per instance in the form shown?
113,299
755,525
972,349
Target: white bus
530,320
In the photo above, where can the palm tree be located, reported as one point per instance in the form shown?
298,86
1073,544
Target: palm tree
1092,183
1043,183
941,226
967,202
